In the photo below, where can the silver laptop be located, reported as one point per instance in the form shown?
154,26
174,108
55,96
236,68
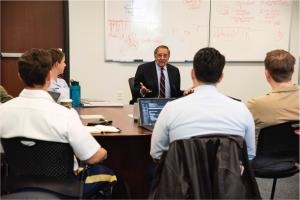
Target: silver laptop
149,109
136,111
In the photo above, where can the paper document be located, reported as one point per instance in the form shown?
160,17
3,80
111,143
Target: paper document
101,104
102,129
91,117
91,99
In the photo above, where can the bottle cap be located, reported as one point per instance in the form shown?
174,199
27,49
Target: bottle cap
74,83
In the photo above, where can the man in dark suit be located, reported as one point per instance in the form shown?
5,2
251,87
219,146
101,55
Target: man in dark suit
158,78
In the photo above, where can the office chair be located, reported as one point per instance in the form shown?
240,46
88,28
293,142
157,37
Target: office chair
277,152
4,169
41,165
34,194
205,167
131,86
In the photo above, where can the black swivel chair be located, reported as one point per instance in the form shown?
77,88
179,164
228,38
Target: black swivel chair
277,152
131,86
33,194
40,166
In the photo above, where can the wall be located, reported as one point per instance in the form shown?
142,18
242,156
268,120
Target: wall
109,80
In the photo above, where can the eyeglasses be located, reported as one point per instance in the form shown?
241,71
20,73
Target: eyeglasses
162,56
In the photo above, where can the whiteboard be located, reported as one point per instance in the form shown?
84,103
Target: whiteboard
242,30
247,30
134,28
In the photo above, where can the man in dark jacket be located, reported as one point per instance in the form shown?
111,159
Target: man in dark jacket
158,78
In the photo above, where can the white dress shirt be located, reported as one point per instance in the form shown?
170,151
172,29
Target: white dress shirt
34,114
59,85
167,82
206,111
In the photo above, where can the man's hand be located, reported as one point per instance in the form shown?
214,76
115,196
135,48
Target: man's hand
188,91
143,89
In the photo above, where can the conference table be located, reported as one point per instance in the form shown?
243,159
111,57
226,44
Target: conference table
128,151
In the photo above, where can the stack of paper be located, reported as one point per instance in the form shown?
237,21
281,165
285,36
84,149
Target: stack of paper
102,129
91,117
101,104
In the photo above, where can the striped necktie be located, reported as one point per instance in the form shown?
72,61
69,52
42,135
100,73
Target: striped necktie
162,90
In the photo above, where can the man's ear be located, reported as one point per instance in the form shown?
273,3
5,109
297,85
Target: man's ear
193,75
268,76
48,78
221,78
267,73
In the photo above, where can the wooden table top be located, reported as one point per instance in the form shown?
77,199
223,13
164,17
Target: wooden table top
120,119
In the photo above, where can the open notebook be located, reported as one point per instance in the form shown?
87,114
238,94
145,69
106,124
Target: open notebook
102,129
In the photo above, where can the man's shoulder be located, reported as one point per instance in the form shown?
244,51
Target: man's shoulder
272,96
172,67
62,109
147,67
260,103
179,103
261,99
11,102
61,81
51,107
147,64
61,113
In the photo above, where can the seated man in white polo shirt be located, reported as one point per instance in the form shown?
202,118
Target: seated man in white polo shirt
34,114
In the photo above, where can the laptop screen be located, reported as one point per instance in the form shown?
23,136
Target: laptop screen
150,109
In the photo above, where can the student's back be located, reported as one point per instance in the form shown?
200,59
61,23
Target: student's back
282,103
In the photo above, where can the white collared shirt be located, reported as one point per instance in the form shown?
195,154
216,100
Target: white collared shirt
34,114
167,82
206,111
59,85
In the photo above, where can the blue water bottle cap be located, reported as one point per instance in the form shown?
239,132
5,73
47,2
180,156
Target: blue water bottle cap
74,83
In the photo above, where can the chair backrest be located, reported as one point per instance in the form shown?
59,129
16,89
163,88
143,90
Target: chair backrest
280,138
131,86
40,164
205,167
31,195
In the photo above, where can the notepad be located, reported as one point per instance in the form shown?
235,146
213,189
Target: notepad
91,117
101,104
102,129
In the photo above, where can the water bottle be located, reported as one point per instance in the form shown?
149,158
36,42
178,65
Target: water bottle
75,93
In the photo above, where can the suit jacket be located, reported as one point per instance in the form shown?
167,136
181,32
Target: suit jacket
205,167
146,73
